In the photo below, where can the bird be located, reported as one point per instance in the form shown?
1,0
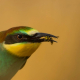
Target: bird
17,44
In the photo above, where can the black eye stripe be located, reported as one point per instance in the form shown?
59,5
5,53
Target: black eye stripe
16,38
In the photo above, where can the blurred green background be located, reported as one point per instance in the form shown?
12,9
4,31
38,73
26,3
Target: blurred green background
60,61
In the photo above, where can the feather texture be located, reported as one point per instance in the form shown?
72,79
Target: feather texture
13,56
3,34
9,64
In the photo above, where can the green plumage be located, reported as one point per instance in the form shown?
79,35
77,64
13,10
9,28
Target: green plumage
9,64
13,56
19,30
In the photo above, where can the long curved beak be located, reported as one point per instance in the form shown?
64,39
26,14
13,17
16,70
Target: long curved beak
38,35
42,37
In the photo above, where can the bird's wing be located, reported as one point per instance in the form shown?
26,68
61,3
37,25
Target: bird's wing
13,69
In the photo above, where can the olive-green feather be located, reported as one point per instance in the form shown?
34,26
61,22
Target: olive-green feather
13,30
9,64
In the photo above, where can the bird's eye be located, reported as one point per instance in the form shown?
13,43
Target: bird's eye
19,36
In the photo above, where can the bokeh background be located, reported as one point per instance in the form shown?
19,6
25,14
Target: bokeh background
60,61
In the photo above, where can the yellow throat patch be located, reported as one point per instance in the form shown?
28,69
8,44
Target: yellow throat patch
21,49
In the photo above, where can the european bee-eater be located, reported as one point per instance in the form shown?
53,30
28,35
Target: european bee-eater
16,46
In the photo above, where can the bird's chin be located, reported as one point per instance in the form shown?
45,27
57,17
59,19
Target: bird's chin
21,49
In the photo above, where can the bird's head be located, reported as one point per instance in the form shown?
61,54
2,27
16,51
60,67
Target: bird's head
22,41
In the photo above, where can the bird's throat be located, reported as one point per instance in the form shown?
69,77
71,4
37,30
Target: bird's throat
21,49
